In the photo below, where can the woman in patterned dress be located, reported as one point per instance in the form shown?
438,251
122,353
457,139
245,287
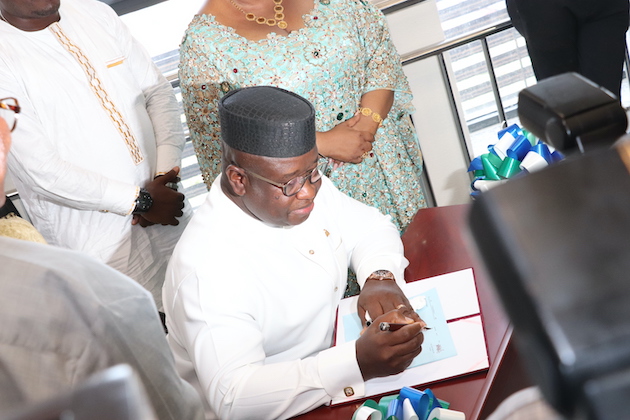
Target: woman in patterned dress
337,54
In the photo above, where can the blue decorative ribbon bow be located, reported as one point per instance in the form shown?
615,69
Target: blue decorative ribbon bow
410,403
516,151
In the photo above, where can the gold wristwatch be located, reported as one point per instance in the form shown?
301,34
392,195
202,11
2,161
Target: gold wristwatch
381,275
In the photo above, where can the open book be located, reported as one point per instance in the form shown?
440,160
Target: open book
454,346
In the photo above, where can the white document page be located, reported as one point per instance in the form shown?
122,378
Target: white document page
460,310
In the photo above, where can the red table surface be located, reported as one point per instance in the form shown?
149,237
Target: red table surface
436,242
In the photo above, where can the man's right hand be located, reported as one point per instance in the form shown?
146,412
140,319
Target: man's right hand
167,203
384,353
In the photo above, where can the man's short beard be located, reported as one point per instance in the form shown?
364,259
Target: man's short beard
45,13
48,11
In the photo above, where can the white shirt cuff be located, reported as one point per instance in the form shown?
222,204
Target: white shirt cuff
119,198
339,371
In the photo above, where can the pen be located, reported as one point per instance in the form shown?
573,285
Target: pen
368,319
391,326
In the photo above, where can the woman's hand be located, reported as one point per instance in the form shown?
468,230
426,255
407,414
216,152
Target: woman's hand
344,142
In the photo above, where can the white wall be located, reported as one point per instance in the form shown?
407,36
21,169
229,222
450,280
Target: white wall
437,128
415,28
157,34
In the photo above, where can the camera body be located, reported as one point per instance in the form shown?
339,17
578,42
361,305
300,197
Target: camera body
556,244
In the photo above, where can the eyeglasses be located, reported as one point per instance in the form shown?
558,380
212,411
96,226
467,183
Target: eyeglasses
293,186
9,110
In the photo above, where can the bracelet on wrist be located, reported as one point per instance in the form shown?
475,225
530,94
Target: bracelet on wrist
376,117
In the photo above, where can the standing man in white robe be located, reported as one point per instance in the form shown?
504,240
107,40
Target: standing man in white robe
100,137
66,316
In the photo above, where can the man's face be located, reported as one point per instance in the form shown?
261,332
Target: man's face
30,9
267,202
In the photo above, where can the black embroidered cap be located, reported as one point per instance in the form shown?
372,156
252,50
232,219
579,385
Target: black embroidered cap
267,121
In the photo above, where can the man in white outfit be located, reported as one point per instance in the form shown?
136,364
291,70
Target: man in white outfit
253,285
66,316
100,137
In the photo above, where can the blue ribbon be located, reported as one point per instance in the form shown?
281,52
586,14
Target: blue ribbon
421,401
543,151
514,130
395,409
556,156
519,148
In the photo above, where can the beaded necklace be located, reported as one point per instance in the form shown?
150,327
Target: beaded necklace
278,19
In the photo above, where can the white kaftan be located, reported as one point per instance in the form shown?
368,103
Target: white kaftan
251,308
67,316
74,170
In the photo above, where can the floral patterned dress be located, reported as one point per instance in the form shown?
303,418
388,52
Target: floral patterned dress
343,51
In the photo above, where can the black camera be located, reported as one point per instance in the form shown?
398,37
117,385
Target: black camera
556,244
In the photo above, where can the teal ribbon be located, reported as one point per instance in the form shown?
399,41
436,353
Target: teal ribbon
490,164
509,167
382,407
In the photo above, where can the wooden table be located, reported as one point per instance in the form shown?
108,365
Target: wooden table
436,242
